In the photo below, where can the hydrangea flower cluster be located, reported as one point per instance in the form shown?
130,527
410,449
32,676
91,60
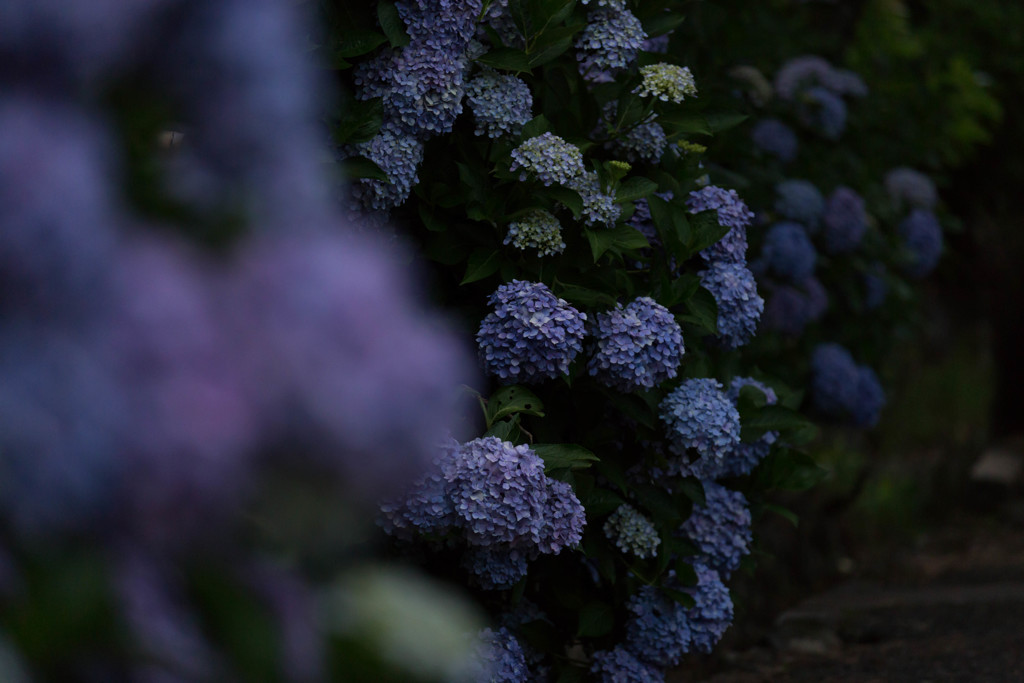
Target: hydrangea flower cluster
790,308
636,347
399,156
922,237
645,142
788,252
739,306
697,414
658,630
619,665
632,532
539,230
666,82
844,390
732,213
720,528
713,613
530,335
801,201
774,137
875,287
553,160
845,221
501,104
912,188
808,71
495,568
498,658
746,456
599,207
822,110
609,43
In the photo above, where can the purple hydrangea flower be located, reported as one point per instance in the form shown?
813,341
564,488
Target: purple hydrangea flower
776,138
501,104
845,221
658,630
399,156
744,457
712,615
440,24
733,213
553,160
875,287
498,658
834,378
425,510
720,528
599,207
824,111
495,568
645,142
801,201
790,308
739,306
636,347
530,335
632,532
698,415
657,45
564,519
922,237
608,44
911,188
619,665
870,398
421,86
788,252
800,73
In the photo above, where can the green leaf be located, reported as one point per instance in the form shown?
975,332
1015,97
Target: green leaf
564,455
431,222
670,220
570,198
703,310
513,399
506,59
361,167
694,490
506,430
783,512
601,502
789,470
596,619
635,188
482,263
719,122
663,22
686,124
585,297
356,42
358,120
682,597
538,125
619,238
659,503
773,418
706,230
391,23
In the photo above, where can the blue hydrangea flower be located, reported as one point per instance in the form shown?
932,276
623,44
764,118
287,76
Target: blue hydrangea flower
636,347
870,398
698,415
553,160
712,615
539,230
608,44
564,519
875,287
658,630
907,187
823,111
776,138
530,335
739,306
834,378
610,4
720,528
399,156
440,24
733,213
666,82
599,207
657,45
645,142
501,104
425,510
619,665
845,221
801,201
799,74
495,568
788,252
846,82
922,237
632,532
498,658
790,308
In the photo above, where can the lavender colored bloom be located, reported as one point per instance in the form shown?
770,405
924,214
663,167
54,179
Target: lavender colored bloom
870,398
698,415
440,24
922,238
733,213
911,188
846,82
564,519
610,4
347,365
845,221
802,73
739,306
501,104
657,45
399,156
495,568
801,201
645,142
713,613
790,308
530,335
498,658
425,510
666,82
875,287
720,528
776,138
834,379
632,532
658,630
619,665
421,86
609,43
539,230
636,347
824,111
599,207
788,252
553,160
